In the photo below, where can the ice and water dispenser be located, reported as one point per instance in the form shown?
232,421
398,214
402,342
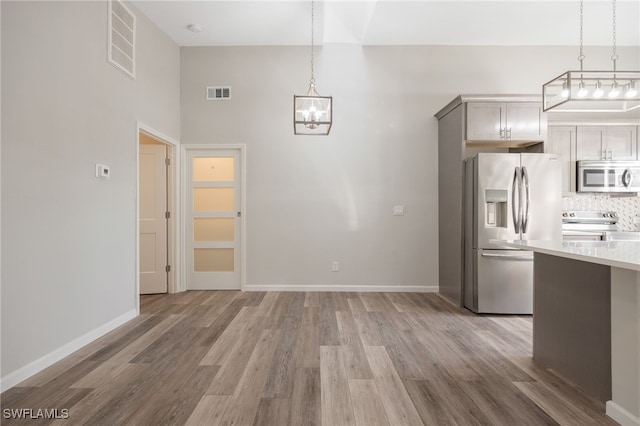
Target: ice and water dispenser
495,208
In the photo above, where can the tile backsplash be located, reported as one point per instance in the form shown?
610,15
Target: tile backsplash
628,208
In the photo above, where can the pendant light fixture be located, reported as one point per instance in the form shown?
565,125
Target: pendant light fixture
312,112
593,91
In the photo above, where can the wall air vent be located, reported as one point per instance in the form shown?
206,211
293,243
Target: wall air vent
218,93
122,38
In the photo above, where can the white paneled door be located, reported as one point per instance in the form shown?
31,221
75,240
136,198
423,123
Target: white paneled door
213,219
153,219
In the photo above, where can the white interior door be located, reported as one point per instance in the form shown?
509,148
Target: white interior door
153,220
212,215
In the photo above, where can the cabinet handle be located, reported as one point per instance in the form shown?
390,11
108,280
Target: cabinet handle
502,132
509,133
610,154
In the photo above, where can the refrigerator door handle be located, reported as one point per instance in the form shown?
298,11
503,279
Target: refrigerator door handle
525,220
516,216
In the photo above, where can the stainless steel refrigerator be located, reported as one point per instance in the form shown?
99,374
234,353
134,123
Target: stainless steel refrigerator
514,196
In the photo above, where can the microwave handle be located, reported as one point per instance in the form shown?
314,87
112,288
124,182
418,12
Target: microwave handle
627,178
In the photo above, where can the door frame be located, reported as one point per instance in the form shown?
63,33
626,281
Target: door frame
173,196
242,150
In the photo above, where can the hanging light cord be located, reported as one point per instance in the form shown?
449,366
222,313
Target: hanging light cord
312,80
581,57
614,57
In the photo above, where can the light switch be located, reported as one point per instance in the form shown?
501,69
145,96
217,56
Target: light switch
398,210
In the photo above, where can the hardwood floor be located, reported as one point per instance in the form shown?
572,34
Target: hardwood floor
365,359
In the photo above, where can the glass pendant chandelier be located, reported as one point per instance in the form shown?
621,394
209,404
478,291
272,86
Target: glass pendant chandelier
312,112
593,91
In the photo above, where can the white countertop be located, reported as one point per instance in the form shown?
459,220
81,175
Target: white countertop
620,254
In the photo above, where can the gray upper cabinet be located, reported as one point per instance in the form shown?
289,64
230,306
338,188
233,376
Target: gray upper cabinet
505,121
586,142
606,143
486,121
562,141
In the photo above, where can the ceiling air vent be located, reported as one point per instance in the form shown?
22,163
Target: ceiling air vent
218,93
122,37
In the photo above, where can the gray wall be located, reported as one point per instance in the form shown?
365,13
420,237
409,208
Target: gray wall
68,264
69,240
312,200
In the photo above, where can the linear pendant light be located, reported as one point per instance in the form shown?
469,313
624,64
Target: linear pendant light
311,112
593,91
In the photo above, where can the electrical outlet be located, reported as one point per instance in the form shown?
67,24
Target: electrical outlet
335,266
102,171
398,210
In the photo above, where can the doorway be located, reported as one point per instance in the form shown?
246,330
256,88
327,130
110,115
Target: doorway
159,260
154,213
214,222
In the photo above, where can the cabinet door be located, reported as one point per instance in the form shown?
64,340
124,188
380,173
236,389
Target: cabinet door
620,143
485,121
525,121
590,143
562,141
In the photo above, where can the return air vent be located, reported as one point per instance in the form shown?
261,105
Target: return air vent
122,37
218,93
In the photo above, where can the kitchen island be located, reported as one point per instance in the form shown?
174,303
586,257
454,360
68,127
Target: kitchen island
586,318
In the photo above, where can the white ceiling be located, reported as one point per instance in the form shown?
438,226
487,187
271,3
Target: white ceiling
387,22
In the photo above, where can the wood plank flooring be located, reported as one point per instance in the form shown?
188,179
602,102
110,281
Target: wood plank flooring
363,359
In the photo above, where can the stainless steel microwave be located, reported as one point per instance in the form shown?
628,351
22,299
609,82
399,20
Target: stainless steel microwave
608,176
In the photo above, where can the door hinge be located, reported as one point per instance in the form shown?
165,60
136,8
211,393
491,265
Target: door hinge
167,161
168,268
167,215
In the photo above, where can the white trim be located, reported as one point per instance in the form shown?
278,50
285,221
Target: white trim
23,373
341,288
157,134
175,285
242,149
620,415
243,217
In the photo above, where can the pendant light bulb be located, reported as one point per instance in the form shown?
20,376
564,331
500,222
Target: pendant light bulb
565,90
631,90
598,92
615,90
582,90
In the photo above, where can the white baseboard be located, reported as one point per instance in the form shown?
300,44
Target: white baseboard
23,373
622,416
342,288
